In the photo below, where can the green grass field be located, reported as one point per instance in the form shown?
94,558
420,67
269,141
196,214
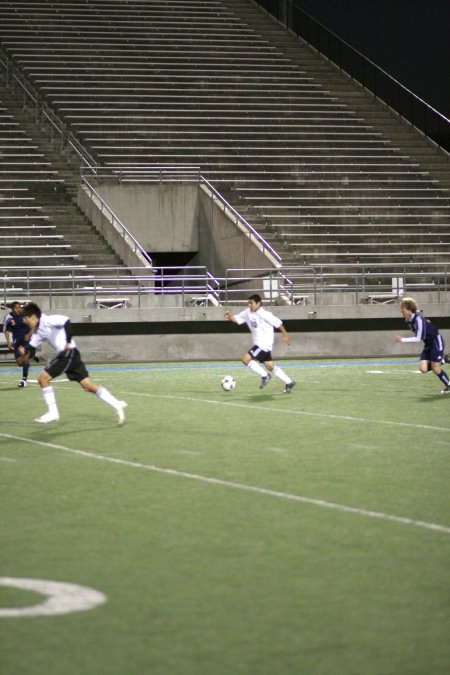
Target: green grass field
249,532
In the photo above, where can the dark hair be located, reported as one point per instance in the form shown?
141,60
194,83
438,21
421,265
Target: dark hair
31,308
14,304
255,297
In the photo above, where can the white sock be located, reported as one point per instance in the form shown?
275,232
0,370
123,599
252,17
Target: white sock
281,375
107,397
49,398
257,368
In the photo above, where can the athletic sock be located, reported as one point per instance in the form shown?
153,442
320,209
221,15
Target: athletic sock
107,397
444,378
257,368
281,375
25,369
49,398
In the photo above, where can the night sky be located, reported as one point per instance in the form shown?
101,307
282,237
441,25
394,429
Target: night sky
409,39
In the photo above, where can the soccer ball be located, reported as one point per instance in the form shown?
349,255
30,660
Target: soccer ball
228,383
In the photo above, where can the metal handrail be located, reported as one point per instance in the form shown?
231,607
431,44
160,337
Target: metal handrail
289,283
170,173
253,234
148,173
42,110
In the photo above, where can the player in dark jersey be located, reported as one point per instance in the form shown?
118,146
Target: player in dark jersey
432,354
17,335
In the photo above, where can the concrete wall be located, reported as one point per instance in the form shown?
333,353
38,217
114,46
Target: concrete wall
162,217
199,333
171,217
223,244
231,346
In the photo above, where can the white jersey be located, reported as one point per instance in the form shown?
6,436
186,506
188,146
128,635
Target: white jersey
261,324
51,330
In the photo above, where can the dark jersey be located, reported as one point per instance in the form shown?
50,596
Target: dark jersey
423,329
16,326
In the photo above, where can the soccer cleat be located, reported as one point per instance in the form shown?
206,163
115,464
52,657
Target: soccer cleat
121,412
265,381
446,358
446,390
22,383
47,417
289,387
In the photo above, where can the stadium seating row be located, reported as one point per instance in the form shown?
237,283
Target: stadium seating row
306,156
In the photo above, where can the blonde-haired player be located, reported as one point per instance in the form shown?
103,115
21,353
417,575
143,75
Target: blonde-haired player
433,352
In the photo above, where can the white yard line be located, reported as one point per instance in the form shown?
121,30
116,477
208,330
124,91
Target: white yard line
289,411
238,486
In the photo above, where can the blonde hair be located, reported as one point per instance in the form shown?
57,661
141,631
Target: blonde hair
409,303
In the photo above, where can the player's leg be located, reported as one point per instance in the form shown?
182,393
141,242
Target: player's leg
58,365
425,366
78,372
25,364
106,396
52,415
437,355
279,372
249,360
442,375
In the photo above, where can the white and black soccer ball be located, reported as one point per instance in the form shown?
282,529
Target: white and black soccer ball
228,383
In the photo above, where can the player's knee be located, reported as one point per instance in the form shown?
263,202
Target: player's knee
89,386
44,379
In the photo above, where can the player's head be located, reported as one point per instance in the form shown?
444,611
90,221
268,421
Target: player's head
31,314
254,302
16,307
408,306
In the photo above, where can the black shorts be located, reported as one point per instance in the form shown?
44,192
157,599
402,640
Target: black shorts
16,345
70,363
259,354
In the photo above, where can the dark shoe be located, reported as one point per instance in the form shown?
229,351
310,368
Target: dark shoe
22,383
265,381
289,387
446,390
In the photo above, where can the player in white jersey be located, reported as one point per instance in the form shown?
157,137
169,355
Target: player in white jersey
57,331
262,324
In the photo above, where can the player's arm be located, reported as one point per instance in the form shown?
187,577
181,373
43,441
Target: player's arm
228,315
418,333
9,341
69,334
399,338
284,333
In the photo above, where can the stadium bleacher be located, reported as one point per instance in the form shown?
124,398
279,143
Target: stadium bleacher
39,225
320,168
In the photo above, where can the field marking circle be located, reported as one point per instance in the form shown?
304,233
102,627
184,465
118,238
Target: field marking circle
62,598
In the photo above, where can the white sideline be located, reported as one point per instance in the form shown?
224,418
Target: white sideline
239,486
